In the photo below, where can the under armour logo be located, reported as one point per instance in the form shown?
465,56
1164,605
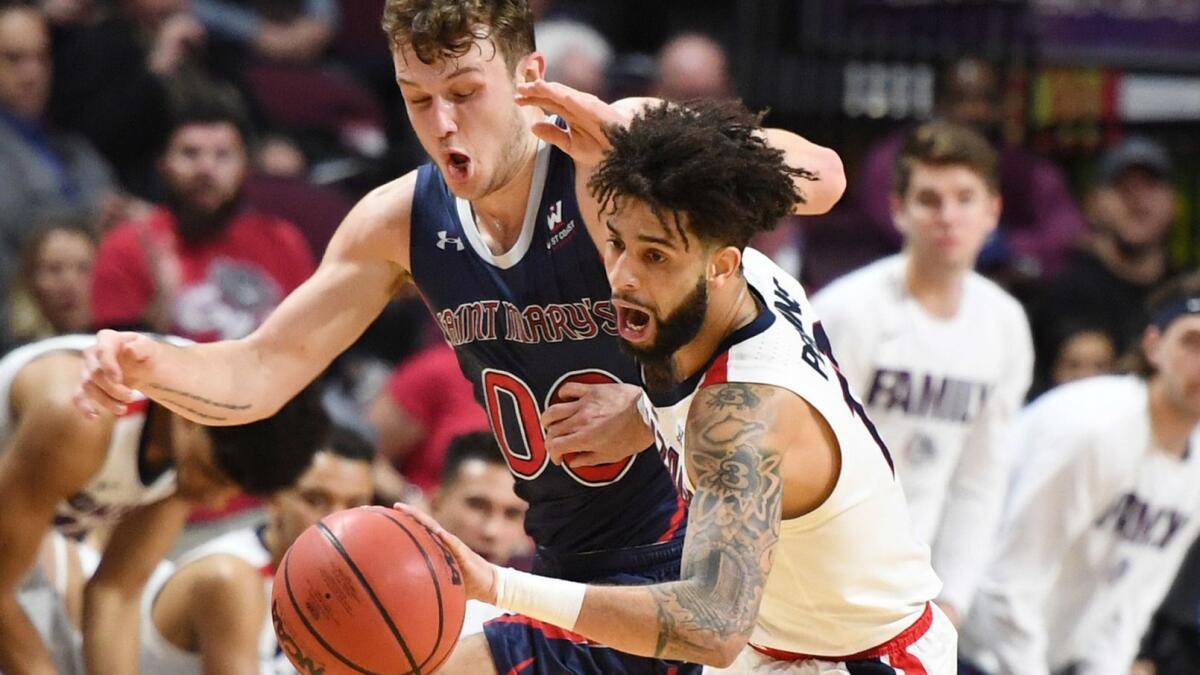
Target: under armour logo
554,216
443,240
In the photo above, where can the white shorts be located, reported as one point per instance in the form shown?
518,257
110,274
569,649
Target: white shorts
933,651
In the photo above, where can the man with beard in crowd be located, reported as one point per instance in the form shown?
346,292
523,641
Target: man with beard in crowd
202,264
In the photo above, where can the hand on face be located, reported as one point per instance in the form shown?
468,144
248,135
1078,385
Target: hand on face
479,575
587,117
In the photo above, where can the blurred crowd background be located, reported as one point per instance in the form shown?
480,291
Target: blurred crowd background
180,165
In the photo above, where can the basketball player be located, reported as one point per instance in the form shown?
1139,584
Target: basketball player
495,238
475,501
212,614
1103,508
799,543
942,356
140,472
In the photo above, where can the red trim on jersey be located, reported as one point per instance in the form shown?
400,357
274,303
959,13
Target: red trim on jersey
136,407
549,630
718,372
521,666
894,649
676,520
267,571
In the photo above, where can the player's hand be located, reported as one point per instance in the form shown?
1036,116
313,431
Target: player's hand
479,575
112,368
595,424
587,117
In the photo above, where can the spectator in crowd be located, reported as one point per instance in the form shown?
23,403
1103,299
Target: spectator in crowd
1041,221
425,403
284,31
140,472
693,65
1125,257
1102,509
1080,350
49,294
43,174
211,614
941,356
476,502
118,74
201,265
576,55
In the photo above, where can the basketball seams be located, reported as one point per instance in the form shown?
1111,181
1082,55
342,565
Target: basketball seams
337,545
437,586
287,582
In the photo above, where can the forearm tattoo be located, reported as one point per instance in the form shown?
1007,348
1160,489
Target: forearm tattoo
733,522
195,398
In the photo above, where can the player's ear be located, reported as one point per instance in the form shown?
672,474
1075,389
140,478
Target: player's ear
724,264
896,205
532,67
1151,341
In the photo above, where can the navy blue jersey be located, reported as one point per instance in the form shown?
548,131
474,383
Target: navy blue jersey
523,324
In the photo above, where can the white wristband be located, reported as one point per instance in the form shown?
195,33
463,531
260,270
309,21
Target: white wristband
554,601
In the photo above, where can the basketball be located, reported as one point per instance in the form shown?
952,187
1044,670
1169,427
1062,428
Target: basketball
368,590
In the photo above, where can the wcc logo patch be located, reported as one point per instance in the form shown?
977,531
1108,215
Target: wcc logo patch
559,231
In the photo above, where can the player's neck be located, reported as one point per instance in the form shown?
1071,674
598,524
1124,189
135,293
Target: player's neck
1170,426
937,289
727,314
500,214
270,539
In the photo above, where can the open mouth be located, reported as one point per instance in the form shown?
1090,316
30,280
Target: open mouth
632,323
458,165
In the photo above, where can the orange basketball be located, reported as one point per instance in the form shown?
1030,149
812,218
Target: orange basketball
368,590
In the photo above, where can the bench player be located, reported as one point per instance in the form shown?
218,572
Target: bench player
495,238
140,473
799,542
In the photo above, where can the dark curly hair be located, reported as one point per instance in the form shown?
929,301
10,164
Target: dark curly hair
705,159
440,29
272,453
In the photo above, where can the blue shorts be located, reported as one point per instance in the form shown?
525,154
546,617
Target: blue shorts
524,646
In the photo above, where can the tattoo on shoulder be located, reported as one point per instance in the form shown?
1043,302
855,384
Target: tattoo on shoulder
733,523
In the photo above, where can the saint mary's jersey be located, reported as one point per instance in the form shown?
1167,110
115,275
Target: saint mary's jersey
1098,521
942,392
850,575
124,481
523,323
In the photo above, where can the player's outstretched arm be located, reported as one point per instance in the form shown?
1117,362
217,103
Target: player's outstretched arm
733,526
240,381
50,455
112,597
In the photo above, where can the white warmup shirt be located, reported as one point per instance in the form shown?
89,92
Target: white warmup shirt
1097,524
119,486
941,392
159,655
850,575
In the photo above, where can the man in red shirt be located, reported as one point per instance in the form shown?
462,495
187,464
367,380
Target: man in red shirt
202,264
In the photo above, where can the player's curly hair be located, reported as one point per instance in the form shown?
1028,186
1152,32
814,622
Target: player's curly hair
447,29
705,160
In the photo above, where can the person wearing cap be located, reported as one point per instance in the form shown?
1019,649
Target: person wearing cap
1102,507
1106,283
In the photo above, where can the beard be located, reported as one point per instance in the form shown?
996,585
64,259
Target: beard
671,333
196,223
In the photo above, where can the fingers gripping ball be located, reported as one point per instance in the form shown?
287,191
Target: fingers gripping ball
368,590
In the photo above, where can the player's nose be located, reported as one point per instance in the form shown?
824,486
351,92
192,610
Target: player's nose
444,118
621,274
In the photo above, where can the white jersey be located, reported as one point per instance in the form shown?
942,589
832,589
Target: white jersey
941,392
121,484
159,655
850,575
1098,522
